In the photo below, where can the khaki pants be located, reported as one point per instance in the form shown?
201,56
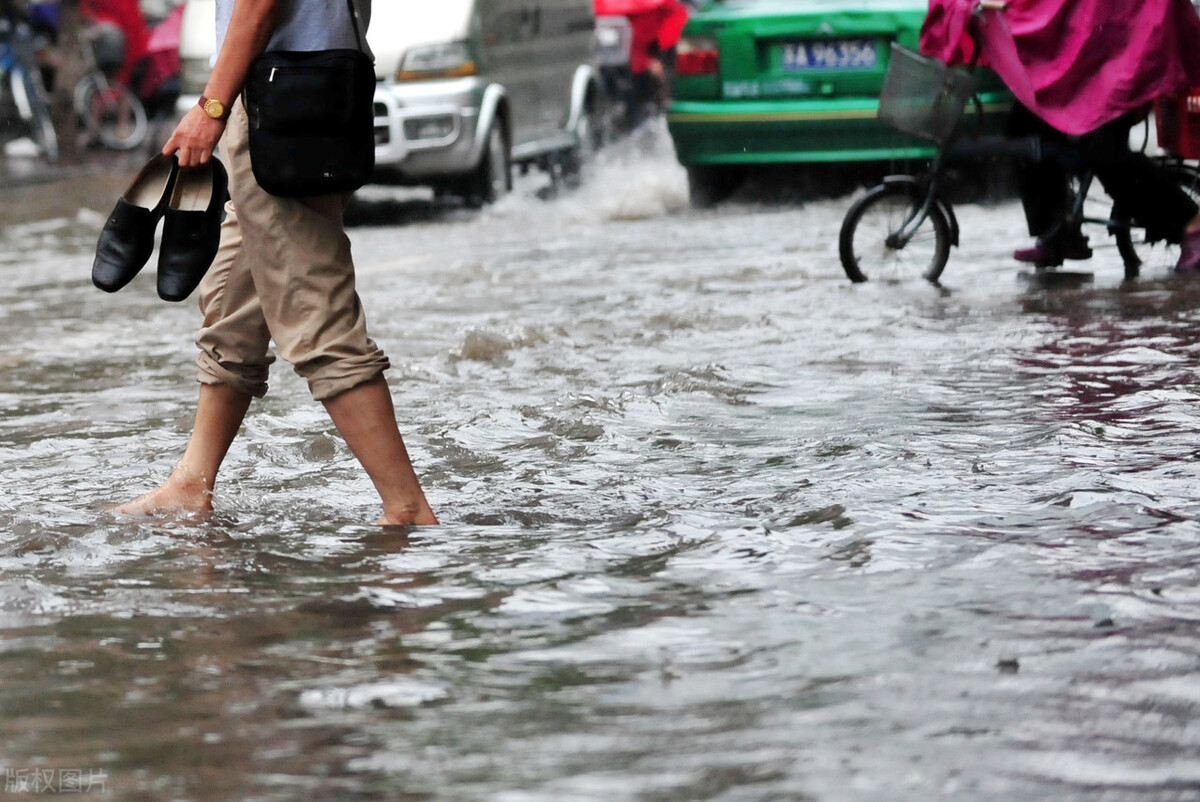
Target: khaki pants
283,273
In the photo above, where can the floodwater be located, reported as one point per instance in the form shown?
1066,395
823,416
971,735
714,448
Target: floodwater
717,524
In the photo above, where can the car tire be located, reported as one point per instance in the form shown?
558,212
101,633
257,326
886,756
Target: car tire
492,178
589,132
708,184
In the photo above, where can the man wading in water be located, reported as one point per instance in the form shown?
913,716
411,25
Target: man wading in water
283,273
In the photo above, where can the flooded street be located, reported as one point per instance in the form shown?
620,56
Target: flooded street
717,523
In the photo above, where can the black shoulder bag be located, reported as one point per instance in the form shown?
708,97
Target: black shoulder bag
311,119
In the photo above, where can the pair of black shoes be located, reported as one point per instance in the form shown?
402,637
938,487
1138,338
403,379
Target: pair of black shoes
190,200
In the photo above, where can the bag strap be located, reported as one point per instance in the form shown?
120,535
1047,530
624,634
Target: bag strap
358,37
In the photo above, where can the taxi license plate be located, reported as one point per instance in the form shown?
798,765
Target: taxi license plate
829,54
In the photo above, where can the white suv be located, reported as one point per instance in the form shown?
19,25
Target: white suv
466,88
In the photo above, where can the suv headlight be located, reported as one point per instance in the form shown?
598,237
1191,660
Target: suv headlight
443,60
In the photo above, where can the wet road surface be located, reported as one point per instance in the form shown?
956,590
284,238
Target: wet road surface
717,524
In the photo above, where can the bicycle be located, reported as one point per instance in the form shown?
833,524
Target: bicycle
111,113
907,223
21,77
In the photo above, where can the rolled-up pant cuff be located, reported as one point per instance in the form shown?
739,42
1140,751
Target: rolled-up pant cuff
327,384
245,379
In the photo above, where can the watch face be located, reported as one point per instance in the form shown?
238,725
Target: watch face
214,108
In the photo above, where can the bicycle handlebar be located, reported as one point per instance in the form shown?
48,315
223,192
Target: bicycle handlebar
1033,149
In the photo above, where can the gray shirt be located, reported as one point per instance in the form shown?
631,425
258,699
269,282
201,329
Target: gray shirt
308,25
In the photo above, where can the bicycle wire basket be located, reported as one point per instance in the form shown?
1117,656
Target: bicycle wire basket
923,96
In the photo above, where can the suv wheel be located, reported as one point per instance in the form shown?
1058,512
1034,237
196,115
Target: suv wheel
493,177
589,133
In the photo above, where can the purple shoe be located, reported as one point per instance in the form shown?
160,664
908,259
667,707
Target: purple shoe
1040,255
1049,253
1189,254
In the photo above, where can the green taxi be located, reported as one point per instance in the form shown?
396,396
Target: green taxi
759,82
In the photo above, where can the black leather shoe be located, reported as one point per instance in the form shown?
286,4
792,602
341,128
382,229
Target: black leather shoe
191,228
127,239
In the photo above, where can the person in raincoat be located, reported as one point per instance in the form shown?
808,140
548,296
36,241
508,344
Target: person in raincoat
655,29
1084,72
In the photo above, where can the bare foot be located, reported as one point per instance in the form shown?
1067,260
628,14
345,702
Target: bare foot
408,517
182,492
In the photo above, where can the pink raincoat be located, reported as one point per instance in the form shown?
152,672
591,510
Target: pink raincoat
656,25
1077,64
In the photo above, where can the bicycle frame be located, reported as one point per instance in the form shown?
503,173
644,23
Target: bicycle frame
913,222
110,111
1076,217
920,214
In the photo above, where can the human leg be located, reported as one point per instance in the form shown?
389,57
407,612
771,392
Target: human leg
1143,191
1137,185
232,369
219,414
298,256
1044,189
366,419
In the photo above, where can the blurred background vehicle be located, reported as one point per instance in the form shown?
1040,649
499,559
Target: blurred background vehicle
129,68
111,113
24,101
774,82
467,89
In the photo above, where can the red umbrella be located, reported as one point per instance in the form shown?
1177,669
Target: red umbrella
623,8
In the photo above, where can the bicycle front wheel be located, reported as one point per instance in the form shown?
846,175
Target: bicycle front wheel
111,113
871,243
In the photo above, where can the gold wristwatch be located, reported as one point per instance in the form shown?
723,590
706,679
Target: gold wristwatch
213,108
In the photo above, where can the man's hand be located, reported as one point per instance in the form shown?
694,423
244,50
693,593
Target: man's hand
194,138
